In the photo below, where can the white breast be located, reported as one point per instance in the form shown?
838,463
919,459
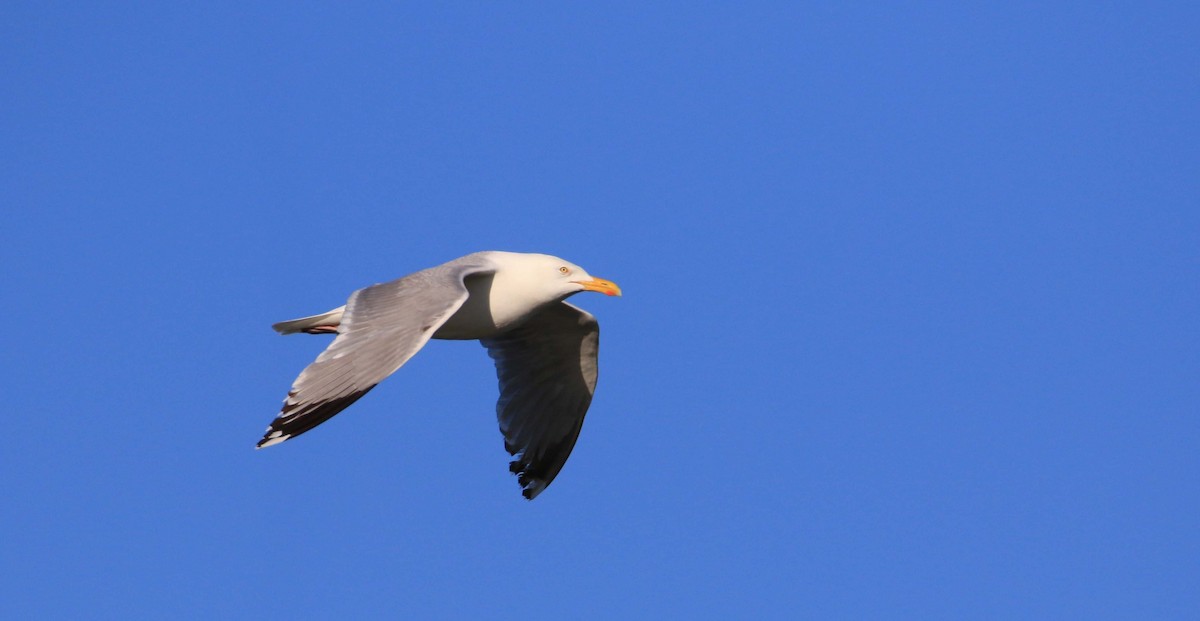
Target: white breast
495,303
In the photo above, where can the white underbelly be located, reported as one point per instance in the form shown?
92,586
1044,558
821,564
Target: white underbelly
485,314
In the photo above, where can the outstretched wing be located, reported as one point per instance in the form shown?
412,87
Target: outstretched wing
547,372
381,328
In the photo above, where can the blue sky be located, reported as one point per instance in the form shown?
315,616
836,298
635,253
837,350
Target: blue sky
909,327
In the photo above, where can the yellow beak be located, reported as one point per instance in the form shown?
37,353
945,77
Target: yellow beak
599,285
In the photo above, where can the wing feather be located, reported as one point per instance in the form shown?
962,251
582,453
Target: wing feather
381,328
547,370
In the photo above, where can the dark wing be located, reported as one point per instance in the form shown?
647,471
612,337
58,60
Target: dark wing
547,371
382,327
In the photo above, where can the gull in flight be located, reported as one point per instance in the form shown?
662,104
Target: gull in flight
513,303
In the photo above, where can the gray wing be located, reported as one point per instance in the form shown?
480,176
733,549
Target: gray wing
547,372
382,327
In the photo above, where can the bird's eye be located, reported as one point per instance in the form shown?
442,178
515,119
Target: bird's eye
564,270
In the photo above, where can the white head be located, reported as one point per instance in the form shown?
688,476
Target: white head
548,277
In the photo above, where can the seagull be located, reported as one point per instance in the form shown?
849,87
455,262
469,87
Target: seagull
513,303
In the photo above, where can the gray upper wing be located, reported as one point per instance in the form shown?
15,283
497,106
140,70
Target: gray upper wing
547,371
382,327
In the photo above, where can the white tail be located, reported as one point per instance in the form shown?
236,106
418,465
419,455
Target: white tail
324,323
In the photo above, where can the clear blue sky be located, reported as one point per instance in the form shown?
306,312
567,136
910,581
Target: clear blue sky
910,326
